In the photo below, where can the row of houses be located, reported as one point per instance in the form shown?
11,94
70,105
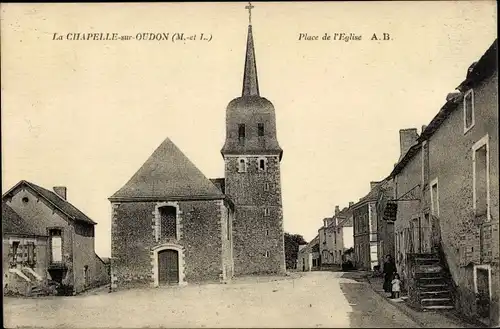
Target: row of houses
436,213
328,248
48,244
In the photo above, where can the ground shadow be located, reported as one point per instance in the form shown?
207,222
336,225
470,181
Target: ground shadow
369,310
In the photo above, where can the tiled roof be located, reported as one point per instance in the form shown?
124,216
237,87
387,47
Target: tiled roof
168,175
478,72
12,223
220,183
482,69
63,205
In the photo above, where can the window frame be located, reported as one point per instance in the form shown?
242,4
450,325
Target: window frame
264,161
245,165
482,267
435,181
471,93
49,230
484,141
161,209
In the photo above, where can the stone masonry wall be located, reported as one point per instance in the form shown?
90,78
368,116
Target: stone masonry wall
464,235
133,238
258,237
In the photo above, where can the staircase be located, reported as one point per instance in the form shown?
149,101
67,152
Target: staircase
432,285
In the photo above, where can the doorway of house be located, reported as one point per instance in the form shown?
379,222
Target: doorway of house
426,230
483,292
168,267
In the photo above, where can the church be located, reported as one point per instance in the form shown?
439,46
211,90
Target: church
171,225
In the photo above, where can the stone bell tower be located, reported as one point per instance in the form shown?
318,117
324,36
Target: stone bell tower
252,158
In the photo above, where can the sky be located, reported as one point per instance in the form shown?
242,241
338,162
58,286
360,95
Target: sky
87,114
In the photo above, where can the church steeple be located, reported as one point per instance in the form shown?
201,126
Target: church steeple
250,118
250,80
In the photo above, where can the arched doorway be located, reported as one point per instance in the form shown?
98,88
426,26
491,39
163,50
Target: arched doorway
168,267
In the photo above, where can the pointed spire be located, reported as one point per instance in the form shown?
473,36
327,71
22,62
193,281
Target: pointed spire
250,81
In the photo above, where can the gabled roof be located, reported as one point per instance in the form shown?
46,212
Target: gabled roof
478,72
168,175
374,193
62,205
12,223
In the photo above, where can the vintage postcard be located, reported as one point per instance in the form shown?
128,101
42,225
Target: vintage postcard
250,164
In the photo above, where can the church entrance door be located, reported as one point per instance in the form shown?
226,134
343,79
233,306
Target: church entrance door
168,267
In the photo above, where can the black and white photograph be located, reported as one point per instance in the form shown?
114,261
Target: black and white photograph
290,164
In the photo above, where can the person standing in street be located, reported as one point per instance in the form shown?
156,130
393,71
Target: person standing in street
396,286
389,270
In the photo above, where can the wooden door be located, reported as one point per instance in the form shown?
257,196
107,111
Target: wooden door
168,267
415,228
426,231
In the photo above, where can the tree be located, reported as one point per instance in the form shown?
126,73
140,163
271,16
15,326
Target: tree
292,243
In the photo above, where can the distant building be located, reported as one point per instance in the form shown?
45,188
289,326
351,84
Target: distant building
344,233
325,235
47,238
308,258
365,219
449,177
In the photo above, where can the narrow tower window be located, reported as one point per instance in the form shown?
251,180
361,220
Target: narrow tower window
262,164
241,131
266,187
260,127
242,165
266,211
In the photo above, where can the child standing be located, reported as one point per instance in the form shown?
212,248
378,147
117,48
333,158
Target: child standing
396,286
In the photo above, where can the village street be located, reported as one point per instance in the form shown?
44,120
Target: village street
312,299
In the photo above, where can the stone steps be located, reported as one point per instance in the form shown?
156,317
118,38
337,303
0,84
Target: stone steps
432,286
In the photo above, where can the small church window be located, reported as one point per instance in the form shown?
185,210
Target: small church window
267,232
168,221
242,165
266,187
262,164
266,254
260,128
266,211
241,131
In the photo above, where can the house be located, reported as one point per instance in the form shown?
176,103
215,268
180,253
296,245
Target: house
367,250
47,238
447,183
325,235
344,234
308,258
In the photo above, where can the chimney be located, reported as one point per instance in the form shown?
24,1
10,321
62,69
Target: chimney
337,210
351,203
61,191
423,128
452,96
407,137
373,184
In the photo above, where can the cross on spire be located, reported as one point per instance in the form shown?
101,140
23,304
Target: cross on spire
249,7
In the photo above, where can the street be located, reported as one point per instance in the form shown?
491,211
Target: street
311,299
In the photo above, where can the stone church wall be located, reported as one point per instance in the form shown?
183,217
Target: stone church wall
133,238
258,237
